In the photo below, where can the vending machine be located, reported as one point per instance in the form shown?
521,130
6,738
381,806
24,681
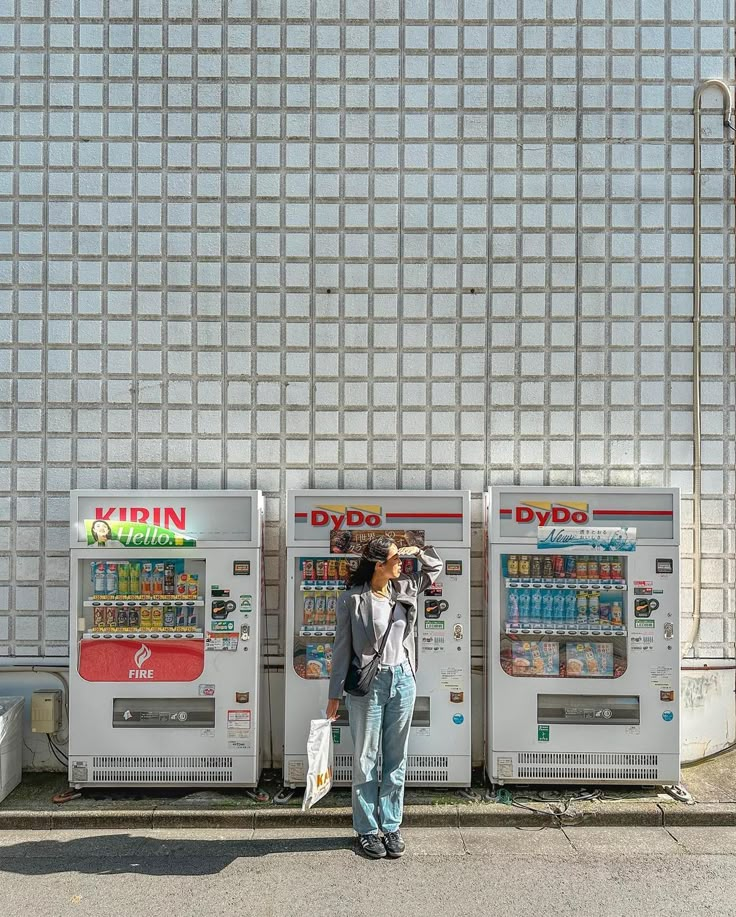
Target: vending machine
166,592
583,651
326,532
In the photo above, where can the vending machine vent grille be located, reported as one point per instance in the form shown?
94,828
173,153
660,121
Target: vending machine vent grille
175,769
420,769
587,766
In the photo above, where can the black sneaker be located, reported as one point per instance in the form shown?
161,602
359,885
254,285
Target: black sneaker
394,844
371,846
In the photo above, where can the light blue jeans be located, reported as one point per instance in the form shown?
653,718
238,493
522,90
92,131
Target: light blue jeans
381,720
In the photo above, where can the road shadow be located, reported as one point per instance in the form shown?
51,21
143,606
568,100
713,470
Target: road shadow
124,853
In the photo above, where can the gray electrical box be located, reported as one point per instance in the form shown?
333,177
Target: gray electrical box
46,711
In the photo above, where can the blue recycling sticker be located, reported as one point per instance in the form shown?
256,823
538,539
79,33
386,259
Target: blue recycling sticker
668,715
458,719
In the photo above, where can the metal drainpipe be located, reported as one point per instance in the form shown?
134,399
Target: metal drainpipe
728,113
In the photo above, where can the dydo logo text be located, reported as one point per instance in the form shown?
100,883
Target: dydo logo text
552,513
352,517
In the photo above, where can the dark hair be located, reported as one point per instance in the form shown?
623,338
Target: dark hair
376,551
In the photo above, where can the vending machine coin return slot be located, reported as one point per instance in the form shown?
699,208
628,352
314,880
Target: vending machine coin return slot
588,709
163,713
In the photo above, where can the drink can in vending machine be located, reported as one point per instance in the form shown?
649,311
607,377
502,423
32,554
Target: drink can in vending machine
617,568
182,584
122,618
146,617
181,616
604,568
512,565
98,617
536,566
581,567
569,566
549,567
111,618
592,568
169,578
193,585
308,610
191,616
157,617
134,618
558,563
320,610
524,565
332,569
169,616
321,569
343,568
308,570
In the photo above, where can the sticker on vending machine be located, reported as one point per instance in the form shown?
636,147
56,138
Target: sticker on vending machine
239,729
206,690
220,642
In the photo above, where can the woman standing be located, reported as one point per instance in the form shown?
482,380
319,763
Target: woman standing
378,615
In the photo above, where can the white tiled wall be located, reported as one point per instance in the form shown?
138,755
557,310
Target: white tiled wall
289,243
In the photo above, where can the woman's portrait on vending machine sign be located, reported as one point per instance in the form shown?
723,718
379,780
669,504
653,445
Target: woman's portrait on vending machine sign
101,531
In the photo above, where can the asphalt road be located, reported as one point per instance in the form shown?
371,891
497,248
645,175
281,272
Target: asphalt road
591,872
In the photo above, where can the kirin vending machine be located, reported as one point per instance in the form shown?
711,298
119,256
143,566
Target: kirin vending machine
583,652
166,590
326,532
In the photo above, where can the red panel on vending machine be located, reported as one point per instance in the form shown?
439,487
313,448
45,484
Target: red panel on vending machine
141,661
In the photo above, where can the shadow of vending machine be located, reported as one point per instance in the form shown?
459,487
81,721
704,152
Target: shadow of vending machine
326,532
583,642
166,592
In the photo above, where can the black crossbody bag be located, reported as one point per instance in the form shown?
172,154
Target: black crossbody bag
360,677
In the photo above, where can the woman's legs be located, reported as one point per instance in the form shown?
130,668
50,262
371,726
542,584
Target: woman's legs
366,716
397,716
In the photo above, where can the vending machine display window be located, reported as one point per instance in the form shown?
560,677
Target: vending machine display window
565,616
139,596
320,582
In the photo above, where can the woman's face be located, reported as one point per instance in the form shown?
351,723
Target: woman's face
392,564
101,530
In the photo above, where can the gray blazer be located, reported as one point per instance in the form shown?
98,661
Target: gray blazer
355,633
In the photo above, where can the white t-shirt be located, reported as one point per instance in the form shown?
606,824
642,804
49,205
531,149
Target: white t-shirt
394,652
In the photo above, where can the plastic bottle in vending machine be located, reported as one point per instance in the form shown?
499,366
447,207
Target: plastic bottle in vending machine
547,608
112,579
512,608
558,608
594,615
100,586
535,614
524,612
582,604
135,578
571,609
123,579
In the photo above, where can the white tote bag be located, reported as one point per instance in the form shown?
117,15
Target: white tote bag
319,751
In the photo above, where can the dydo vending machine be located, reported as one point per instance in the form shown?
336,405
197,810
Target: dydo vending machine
583,635
166,591
326,532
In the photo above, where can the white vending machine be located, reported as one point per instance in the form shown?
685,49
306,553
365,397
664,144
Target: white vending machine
166,592
583,643
326,532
